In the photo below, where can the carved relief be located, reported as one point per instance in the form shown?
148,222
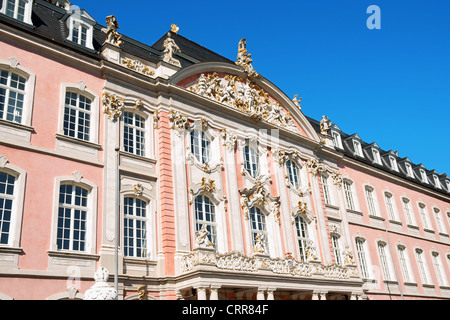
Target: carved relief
178,121
259,196
113,106
229,139
244,59
244,96
137,65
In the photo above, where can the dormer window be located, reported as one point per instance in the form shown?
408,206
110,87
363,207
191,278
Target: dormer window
424,176
357,147
18,9
376,156
437,183
393,163
448,185
81,28
337,140
409,170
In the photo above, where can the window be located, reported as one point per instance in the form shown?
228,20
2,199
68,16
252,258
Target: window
81,28
437,183
77,116
371,201
18,9
390,206
205,216
12,96
384,260
135,228
72,218
336,249
251,161
293,174
348,191
79,34
337,142
376,156
409,170
404,265
408,211
258,229
422,264
357,147
424,176
424,216
440,274
361,253
134,133
6,206
393,163
438,218
302,237
200,146
325,189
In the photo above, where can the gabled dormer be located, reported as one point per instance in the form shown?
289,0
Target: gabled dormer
354,143
421,172
407,167
336,135
390,159
373,152
433,176
445,180
19,10
80,26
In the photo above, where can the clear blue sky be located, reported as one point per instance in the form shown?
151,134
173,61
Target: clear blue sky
391,86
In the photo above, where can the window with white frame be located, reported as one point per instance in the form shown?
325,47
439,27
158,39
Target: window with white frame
335,239
12,96
404,263
393,162
407,209
390,206
439,222
302,237
135,228
81,28
326,188
7,199
437,183
348,191
200,146
424,216
72,218
251,161
409,170
423,176
258,228
134,133
18,9
77,116
384,260
357,147
438,268
362,257
337,142
205,216
293,172
376,156
422,265
371,198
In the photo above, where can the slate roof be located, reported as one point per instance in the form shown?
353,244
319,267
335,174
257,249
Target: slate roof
49,23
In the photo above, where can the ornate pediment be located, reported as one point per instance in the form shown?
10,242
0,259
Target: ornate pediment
245,96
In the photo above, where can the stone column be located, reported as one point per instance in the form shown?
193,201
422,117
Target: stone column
270,295
214,292
260,295
201,293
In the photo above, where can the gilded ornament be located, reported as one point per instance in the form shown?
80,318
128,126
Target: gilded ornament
174,28
177,121
113,106
142,290
138,66
112,36
208,185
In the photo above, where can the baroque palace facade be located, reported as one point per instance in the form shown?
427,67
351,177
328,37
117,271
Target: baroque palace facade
187,175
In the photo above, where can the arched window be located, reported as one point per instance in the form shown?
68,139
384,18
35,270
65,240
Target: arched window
293,172
77,116
72,218
362,257
18,9
302,237
258,230
200,146
205,216
134,133
135,228
348,191
7,182
12,96
251,161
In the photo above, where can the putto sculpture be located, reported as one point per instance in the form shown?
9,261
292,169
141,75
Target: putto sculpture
112,36
244,59
170,49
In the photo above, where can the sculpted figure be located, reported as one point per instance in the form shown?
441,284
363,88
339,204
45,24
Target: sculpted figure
170,49
112,36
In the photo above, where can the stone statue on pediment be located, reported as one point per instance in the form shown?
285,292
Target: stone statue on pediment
170,49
